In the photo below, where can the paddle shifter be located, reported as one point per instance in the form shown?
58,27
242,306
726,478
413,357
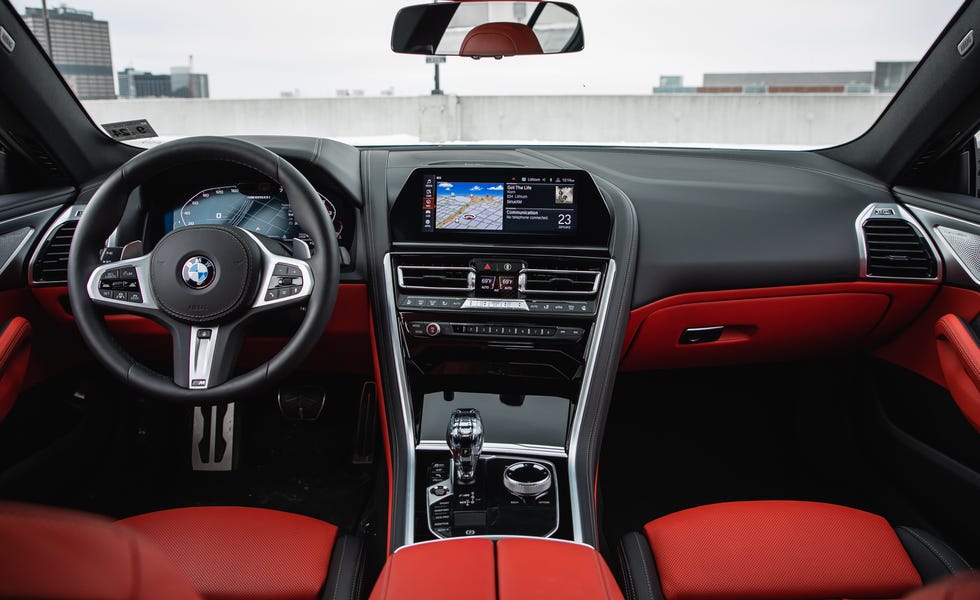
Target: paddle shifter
464,435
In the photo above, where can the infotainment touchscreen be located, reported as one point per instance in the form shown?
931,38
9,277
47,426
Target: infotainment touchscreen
525,204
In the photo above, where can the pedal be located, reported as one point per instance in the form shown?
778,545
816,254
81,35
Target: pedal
213,438
367,422
301,402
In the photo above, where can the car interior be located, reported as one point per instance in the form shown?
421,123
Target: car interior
288,367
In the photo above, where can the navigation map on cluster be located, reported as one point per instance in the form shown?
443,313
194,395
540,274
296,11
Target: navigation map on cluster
462,205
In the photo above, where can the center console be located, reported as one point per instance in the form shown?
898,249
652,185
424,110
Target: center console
498,282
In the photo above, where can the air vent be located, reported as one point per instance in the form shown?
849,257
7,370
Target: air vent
895,249
436,278
559,281
52,260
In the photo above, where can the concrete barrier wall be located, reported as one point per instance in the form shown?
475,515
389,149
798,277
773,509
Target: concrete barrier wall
796,120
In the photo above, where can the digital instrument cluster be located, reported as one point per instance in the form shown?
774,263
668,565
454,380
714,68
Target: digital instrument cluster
261,208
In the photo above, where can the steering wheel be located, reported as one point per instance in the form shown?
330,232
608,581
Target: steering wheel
204,283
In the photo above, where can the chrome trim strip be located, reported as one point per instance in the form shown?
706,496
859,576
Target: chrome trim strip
494,304
404,400
500,447
900,215
470,278
592,356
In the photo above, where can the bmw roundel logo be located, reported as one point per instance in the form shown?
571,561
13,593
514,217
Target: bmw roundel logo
198,272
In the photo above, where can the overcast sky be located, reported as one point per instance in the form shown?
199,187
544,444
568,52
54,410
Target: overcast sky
258,48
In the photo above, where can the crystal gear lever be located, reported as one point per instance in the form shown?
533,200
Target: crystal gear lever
464,435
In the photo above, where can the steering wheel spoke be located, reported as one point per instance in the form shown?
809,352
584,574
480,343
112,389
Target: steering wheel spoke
204,355
286,280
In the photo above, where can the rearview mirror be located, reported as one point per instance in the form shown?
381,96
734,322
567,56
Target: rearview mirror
487,29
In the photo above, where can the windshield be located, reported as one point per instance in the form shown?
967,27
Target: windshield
755,73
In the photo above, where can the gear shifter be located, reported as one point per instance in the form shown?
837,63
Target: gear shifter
464,435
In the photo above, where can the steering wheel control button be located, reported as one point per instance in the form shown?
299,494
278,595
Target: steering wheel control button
203,334
527,479
286,282
121,285
199,272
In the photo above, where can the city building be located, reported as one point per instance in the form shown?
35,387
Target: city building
184,83
143,85
180,83
79,48
886,78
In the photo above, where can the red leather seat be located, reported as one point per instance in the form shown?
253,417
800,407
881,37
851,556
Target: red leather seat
54,554
237,553
782,550
218,553
500,39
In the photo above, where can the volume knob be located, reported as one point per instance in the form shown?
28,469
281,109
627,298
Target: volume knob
527,479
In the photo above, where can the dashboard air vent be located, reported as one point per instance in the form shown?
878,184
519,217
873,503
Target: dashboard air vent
560,281
436,278
895,249
52,260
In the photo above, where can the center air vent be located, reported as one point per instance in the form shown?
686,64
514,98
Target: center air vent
895,249
52,261
436,278
559,281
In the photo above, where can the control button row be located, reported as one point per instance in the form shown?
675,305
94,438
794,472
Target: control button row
283,292
135,297
476,329
568,307
431,329
120,273
428,302
284,270
121,285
